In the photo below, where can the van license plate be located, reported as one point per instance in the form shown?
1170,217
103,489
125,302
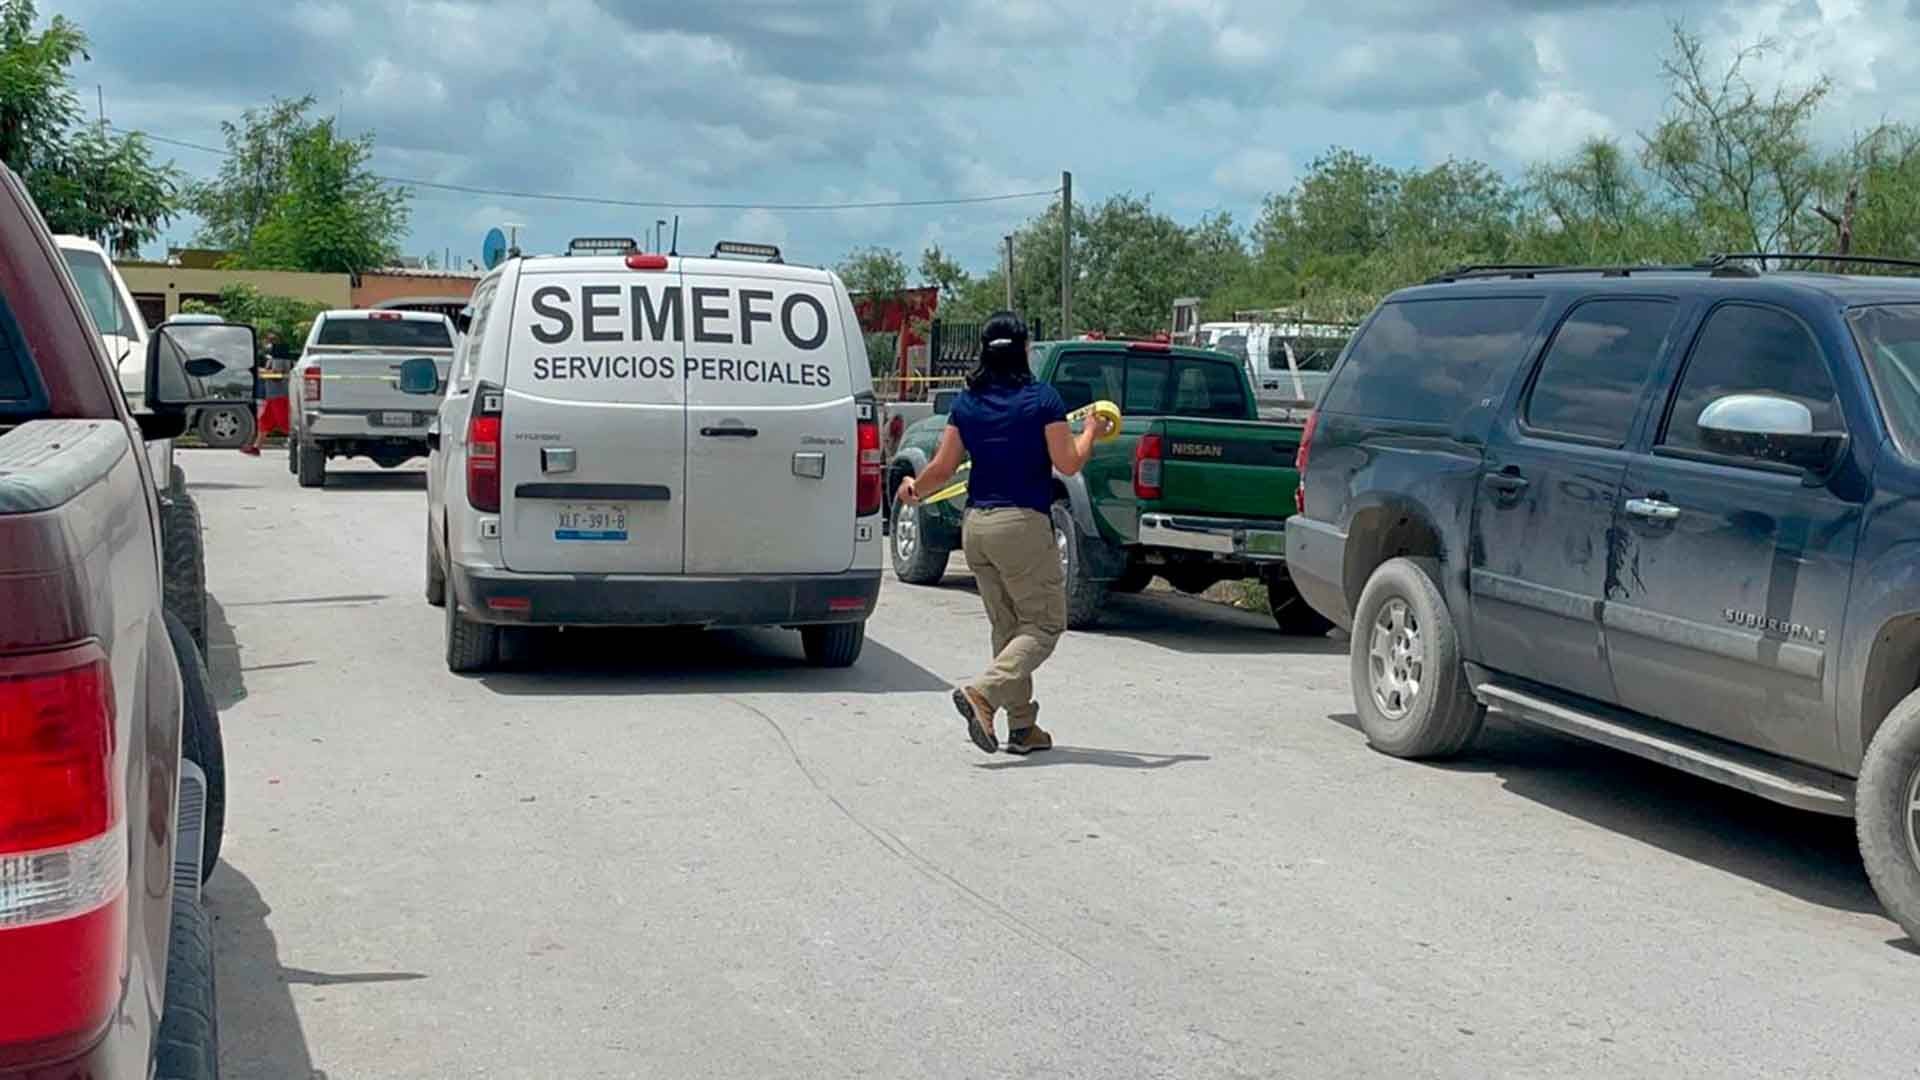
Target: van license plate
585,521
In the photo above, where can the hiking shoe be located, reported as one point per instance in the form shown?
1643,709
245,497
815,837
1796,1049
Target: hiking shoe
1028,740
979,717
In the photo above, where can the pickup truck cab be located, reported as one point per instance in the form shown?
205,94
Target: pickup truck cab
1195,489
108,739
1670,511
349,400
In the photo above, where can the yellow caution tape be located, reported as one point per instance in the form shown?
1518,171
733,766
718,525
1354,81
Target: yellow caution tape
1099,408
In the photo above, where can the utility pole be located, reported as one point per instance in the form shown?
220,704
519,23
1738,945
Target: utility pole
1009,271
100,97
659,226
1066,255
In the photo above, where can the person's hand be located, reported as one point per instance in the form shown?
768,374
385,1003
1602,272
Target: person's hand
1100,424
906,494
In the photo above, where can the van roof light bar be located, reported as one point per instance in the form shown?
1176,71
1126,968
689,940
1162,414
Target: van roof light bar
745,250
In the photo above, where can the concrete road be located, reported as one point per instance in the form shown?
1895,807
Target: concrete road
672,855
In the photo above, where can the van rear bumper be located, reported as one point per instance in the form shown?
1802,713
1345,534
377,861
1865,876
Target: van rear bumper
509,599
1316,561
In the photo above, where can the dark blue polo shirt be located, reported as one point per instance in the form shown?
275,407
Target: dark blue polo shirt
1004,429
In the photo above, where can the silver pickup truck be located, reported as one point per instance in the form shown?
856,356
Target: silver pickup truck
345,397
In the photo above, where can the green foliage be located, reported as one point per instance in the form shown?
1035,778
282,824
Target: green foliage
233,205
85,181
282,315
941,272
873,271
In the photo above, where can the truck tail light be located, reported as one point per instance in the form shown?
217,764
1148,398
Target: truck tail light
1300,461
867,484
483,450
310,384
1146,467
63,854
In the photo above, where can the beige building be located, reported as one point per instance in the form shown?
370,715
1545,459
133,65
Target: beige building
158,289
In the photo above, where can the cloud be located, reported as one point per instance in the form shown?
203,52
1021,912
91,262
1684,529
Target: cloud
1253,172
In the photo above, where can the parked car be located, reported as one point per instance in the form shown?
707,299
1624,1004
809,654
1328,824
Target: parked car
111,771
1669,511
350,402
642,440
1195,489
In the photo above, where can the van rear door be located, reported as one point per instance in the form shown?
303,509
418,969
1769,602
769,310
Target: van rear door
593,439
770,421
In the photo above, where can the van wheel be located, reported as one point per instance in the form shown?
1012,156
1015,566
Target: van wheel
436,574
471,647
1136,577
914,560
312,465
187,1046
200,741
1291,612
1886,814
1409,685
1085,596
835,646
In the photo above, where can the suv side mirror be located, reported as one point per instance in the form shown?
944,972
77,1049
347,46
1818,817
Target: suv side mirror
199,363
1769,428
419,376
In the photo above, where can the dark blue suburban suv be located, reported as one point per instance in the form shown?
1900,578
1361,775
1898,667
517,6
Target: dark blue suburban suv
1673,511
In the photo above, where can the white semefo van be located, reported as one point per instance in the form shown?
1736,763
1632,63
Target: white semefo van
646,440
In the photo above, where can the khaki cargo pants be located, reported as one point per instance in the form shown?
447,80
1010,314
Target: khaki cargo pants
1012,554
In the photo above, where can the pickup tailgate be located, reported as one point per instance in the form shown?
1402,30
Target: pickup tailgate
359,380
1226,468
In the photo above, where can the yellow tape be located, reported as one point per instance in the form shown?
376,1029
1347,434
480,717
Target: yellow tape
1099,408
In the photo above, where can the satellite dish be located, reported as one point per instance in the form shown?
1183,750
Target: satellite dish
494,248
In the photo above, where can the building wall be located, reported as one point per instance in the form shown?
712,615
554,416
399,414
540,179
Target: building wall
377,289
161,288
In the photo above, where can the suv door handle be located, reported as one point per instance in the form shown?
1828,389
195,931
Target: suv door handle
729,432
1652,509
1507,480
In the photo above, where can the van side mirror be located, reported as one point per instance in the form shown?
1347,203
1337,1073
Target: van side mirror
199,363
419,376
1769,428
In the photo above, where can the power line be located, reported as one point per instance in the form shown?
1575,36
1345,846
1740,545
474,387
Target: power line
595,200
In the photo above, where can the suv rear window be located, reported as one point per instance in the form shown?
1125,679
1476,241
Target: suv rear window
385,333
1429,360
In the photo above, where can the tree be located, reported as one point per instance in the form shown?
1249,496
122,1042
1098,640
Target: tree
941,272
1595,207
876,272
288,317
334,215
233,206
84,180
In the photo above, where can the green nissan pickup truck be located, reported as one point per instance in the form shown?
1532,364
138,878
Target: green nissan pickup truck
1195,489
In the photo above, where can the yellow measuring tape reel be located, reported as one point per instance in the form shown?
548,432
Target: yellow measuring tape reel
1099,408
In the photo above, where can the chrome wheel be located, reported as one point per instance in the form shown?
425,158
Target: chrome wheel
906,533
223,424
1912,815
1060,545
1396,659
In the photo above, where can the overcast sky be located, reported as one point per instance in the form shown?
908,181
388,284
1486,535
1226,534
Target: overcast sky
1201,104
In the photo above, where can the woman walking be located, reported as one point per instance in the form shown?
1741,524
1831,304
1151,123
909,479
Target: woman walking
1015,430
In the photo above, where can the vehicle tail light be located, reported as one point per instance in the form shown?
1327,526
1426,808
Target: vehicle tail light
867,485
384,316
1146,467
1300,461
310,384
641,261
483,450
63,857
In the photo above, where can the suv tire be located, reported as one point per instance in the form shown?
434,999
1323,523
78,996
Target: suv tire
436,574
1409,686
1886,817
836,645
914,561
312,465
1085,596
471,647
183,579
187,1046
200,740
1291,612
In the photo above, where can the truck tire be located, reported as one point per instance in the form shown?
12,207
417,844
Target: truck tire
1136,577
200,741
914,560
312,465
1409,685
293,453
187,1046
834,646
183,552
1886,814
436,574
1085,596
471,647
1291,612
226,427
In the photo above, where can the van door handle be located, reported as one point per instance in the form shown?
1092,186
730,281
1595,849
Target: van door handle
729,432
1507,481
1652,509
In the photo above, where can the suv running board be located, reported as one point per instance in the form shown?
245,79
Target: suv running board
190,825
1749,770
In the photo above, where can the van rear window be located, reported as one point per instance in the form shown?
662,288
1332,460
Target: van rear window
1429,360
385,333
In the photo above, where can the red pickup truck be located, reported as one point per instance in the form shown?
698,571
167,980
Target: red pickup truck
111,775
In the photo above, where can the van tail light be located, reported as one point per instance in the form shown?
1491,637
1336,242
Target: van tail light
867,485
63,854
483,450
1146,467
310,384
1300,461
